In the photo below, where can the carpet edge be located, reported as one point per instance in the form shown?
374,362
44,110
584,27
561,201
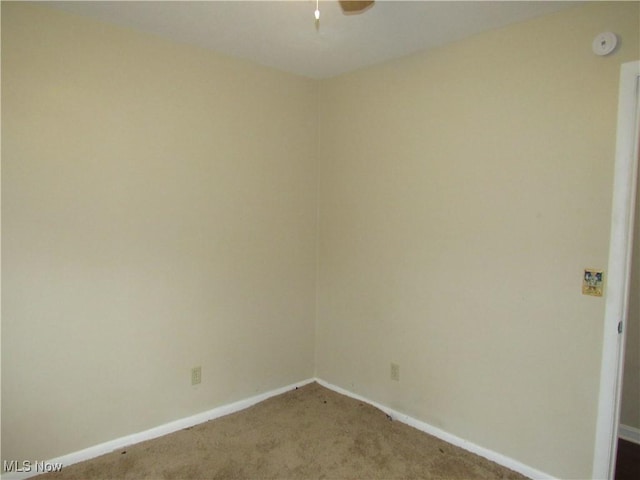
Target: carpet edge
220,411
155,432
491,455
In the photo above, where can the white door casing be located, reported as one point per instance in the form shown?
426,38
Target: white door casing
619,270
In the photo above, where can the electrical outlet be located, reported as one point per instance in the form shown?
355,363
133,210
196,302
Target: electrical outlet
196,375
395,372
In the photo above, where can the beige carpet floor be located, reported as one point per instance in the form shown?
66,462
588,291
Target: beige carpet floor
307,433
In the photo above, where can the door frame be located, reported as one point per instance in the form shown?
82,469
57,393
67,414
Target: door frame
619,271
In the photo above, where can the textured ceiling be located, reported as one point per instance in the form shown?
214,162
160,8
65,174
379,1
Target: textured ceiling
284,35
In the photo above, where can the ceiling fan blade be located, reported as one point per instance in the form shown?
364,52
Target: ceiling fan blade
354,6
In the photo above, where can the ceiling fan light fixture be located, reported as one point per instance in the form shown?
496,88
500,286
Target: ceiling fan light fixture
350,7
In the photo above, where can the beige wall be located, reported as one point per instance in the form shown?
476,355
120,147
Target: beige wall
159,212
630,408
463,191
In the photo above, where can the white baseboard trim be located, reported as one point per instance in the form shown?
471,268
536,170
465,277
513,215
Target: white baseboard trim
110,446
447,437
630,434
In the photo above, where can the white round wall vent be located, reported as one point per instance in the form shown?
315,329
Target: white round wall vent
604,43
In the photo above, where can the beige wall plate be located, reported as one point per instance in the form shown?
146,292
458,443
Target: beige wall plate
592,281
